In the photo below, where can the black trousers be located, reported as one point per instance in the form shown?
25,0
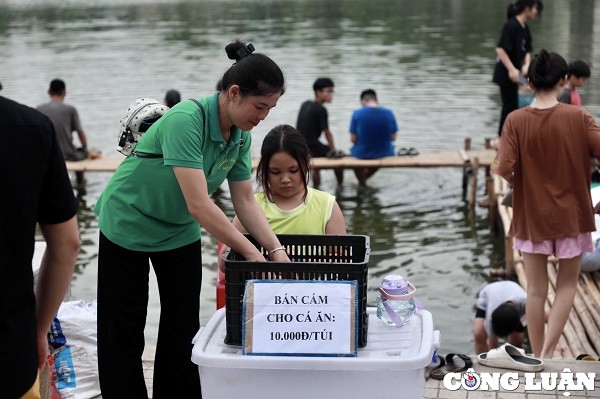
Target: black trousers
509,92
122,308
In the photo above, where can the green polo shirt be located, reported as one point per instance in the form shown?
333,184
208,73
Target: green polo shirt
142,207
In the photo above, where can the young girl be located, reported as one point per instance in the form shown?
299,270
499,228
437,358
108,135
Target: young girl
514,53
291,207
544,154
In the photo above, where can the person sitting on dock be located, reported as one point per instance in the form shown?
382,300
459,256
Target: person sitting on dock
373,131
500,313
313,120
172,97
65,119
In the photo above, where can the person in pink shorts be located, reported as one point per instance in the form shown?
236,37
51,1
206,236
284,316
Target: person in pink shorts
544,155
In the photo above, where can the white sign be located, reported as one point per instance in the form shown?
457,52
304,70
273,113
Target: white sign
301,318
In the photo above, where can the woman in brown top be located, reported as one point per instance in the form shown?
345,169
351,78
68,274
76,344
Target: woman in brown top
544,155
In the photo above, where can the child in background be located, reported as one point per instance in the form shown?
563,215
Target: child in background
577,76
500,313
290,205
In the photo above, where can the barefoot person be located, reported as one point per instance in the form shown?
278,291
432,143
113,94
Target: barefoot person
544,155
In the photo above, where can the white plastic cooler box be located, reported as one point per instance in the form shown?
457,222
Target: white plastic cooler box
392,365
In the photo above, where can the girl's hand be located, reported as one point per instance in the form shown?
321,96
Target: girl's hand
514,75
279,256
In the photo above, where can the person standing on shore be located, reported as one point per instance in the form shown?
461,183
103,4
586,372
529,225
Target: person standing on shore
514,53
152,210
33,171
544,155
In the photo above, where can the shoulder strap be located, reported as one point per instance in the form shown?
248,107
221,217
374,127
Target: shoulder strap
149,155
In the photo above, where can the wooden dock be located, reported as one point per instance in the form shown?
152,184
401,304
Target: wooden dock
582,331
458,158
470,160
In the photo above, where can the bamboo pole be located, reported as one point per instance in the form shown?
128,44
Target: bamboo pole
577,317
592,326
562,341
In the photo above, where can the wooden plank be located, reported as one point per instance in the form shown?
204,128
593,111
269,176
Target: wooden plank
109,163
577,316
562,341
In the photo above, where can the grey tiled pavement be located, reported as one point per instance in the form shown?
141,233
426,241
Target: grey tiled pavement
435,389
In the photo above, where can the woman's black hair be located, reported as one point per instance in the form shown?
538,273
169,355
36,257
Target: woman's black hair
517,7
546,70
255,73
288,139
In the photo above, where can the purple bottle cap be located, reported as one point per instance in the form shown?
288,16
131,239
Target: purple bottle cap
394,284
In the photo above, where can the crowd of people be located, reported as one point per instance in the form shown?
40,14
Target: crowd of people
543,152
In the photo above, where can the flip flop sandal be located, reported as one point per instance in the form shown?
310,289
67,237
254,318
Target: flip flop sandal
434,366
510,357
585,356
412,151
403,151
451,366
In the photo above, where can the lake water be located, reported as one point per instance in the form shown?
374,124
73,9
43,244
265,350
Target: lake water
429,60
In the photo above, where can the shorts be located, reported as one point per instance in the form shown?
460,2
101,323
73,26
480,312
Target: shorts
480,314
561,248
319,150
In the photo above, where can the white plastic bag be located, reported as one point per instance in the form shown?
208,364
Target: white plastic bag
74,339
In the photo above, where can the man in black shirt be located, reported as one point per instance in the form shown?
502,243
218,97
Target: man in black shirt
36,190
313,120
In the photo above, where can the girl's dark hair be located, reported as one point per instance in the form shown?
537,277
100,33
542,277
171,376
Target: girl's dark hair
517,7
546,70
255,73
283,138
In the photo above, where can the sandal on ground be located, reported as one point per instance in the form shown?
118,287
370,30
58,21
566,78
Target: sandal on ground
434,366
510,357
451,366
585,356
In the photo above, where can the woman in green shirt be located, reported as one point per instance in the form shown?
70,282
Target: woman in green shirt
152,209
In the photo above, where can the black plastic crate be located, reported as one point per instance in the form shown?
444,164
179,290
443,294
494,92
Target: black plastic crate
314,257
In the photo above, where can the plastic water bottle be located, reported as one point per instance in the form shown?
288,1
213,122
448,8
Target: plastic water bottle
396,305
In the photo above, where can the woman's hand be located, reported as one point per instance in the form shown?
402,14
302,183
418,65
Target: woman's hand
597,208
255,257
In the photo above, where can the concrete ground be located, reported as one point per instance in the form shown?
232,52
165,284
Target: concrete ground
434,389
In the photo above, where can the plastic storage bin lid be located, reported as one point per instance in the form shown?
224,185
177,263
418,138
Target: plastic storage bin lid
388,348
